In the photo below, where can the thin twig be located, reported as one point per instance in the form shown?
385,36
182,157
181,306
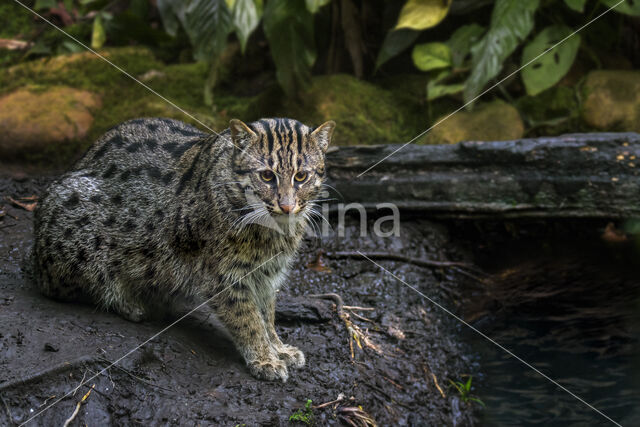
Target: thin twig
81,382
75,412
322,405
354,331
355,307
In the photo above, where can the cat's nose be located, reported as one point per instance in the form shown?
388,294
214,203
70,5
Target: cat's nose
286,208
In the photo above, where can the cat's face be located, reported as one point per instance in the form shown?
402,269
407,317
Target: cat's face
281,161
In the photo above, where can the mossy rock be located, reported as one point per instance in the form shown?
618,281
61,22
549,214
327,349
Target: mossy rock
122,98
495,121
364,113
30,129
612,100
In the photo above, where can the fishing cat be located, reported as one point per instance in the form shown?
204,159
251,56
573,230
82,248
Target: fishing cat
158,209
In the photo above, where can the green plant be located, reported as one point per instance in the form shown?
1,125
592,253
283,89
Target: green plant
303,415
464,389
474,55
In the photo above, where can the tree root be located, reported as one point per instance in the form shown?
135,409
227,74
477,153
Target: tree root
355,332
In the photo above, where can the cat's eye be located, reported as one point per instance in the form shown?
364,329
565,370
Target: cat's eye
267,176
300,176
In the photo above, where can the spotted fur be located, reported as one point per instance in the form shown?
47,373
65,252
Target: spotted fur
157,209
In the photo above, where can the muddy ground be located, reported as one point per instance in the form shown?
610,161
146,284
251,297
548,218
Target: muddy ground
192,375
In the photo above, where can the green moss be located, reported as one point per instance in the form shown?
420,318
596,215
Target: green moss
552,112
122,97
17,21
365,113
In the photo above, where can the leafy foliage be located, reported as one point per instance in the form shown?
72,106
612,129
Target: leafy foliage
628,7
422,14
431,56
577,5
511,23
314,5
206,22
547,70
304,415
464,389
461,41
288,26
395,42
246,17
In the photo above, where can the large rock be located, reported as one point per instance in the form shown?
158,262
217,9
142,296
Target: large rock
612,100
496,121
33,120
365,113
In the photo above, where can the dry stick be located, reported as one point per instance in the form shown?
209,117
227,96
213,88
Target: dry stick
354,330
75,412
322,405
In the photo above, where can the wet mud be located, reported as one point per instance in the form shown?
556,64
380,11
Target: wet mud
397,372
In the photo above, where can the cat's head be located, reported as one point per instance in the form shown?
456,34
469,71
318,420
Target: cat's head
282,162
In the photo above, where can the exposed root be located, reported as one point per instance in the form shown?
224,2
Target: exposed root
356,417
356,334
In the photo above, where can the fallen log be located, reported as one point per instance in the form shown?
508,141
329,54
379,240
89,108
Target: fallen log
578,175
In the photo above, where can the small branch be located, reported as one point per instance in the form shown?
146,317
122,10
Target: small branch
355,307
322,405
75,412
355,332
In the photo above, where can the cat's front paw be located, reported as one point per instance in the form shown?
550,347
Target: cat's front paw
291,355
269,369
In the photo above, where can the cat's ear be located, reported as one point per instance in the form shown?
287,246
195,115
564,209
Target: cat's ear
322,134
241,134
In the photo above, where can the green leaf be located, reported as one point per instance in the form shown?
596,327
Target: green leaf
288,26
549,68
511,22
246,17
431,56
169,18
98,35
314,5
394,43
577,5
628,7
206,22
436,90
461,41
422,14
44,4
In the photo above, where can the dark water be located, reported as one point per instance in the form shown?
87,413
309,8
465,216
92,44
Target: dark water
572,310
